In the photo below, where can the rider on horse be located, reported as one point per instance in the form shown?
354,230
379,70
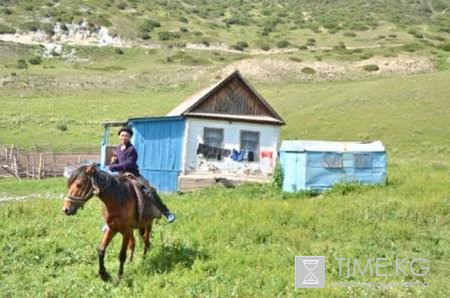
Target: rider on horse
125,160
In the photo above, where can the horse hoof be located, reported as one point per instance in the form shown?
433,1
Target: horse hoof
105,276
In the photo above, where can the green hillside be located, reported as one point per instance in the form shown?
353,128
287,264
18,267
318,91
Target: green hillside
241,23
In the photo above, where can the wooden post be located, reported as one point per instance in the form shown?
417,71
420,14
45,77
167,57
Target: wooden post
40,166
28,166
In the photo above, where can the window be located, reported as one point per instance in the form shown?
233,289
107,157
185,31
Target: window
363,161
250,143
213,137
332,160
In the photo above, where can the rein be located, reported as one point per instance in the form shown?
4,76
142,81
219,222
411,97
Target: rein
93,190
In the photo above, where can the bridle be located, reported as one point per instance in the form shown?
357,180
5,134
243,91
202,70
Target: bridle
81,200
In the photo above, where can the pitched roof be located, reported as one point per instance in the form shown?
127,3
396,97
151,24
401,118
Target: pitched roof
187,107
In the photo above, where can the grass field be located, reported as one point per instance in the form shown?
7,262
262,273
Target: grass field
237,243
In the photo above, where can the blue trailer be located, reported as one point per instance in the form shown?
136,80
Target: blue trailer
317,165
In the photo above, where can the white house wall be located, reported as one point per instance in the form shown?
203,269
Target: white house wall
268,141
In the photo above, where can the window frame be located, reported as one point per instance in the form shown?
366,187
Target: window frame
222,132
334,164
258,148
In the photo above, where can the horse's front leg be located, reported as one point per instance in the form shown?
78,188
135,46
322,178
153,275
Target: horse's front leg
123,251
107,237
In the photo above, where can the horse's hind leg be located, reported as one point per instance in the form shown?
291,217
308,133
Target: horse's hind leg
123,252
146,234
109,234
131,246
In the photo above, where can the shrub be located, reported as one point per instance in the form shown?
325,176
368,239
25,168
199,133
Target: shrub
183,20
100,19
144,35
197,33
61,127
5,29
242,44
371,67
35,60
165,35
349,34
278,176
310,41
340,46
264,46
31,26
21,64
119,51
365,56
295,59
393,35
283,44
205,42
308,70
148,25
446,47
237,47
303,47
7,11
183,29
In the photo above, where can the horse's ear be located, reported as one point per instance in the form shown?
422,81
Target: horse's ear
90,169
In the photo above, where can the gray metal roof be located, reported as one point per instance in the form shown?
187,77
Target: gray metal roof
329,146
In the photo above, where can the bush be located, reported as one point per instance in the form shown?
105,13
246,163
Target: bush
303,47
242,44
183,20
295,59
31,26
5,29
165,35
61,127
237,47
310,42
371,67
308,70
100,20
148,25
7,11
278,176
446,47
183,29
144,35
283,44
264,46
349,34
21,64
365,56
119,51
197,33
393,35
35,60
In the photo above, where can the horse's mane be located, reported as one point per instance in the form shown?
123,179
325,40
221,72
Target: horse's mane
107,183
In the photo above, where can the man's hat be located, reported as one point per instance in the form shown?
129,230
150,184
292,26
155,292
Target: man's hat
127,129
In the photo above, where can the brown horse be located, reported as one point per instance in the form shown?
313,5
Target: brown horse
120,196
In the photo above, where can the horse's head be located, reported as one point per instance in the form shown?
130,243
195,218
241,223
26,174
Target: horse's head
81,188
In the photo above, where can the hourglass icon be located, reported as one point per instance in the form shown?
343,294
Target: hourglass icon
310,278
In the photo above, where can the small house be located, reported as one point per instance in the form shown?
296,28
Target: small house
317,165
226,133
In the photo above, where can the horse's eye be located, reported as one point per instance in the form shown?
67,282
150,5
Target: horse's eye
78,184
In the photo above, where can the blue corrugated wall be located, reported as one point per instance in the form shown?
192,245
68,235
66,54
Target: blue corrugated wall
159,143
305,170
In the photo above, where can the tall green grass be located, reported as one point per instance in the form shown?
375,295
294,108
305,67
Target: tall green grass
234,242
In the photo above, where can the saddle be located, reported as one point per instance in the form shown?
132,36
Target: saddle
146,208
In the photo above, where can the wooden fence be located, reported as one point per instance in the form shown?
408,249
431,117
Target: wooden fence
41,161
